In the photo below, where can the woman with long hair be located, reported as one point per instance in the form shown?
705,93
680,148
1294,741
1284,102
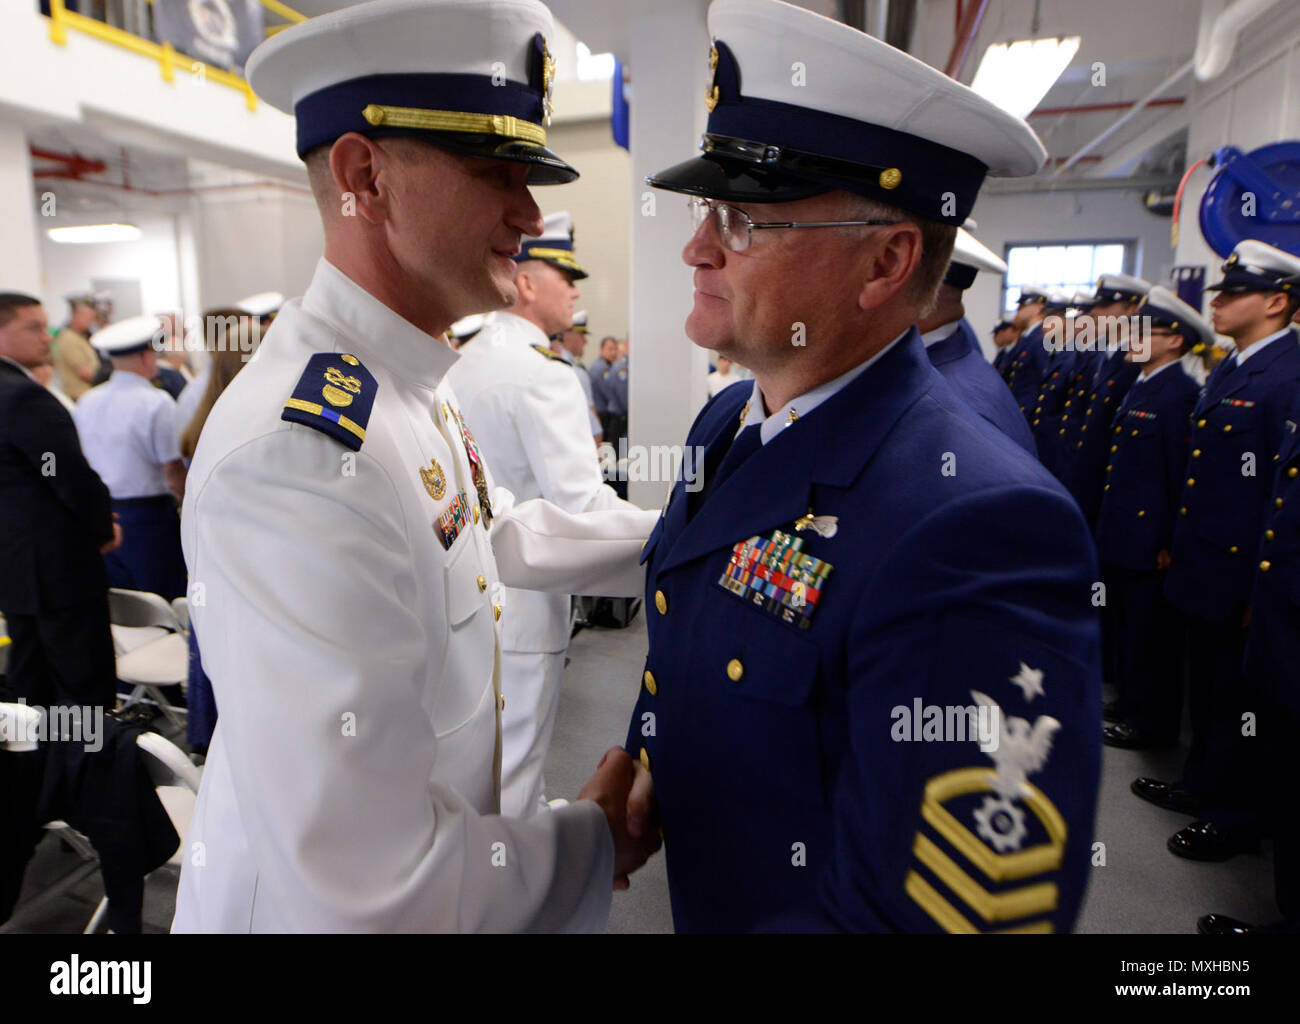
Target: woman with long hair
230,337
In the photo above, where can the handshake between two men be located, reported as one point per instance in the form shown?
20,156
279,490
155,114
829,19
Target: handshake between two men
622,789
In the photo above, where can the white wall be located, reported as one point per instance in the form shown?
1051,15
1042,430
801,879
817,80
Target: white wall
268,240
1063,216
153,259
19,246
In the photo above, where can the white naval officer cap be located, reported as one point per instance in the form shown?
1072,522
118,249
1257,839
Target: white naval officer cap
261,304
1167,310
554,245
861,116
579,322
467,326
1259,267
129,336
1058,300
1083,300
969,257
1120,288
469,76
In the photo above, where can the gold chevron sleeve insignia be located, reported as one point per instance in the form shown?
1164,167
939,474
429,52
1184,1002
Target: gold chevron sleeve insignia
992,878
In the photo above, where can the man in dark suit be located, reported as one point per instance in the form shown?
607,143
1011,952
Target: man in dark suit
55,522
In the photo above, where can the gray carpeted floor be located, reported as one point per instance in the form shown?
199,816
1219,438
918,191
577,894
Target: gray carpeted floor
1140,888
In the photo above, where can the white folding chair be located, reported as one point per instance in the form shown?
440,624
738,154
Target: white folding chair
181,609
177,781
162,660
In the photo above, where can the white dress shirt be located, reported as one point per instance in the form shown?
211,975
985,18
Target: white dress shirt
128,434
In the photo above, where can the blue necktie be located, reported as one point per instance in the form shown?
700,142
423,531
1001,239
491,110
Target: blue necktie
742,447
746,443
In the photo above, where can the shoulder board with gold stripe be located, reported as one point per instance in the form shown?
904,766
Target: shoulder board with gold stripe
334,395
549,354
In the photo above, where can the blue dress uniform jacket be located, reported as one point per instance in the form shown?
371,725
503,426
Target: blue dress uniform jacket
1273,653
1144,478
1087,441
1049,404
1240,417
1025,369
792,793
959,359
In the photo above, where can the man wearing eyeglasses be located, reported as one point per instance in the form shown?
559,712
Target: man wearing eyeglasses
868,555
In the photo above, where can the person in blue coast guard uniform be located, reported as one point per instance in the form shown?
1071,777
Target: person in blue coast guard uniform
1238,426
1053,388
529,415
1081,366
1087,437
1135,529
346,531
1004,336
128,434
1272,657
1027,361
824,586
955,351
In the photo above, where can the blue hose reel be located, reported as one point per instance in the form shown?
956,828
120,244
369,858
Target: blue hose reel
1253,195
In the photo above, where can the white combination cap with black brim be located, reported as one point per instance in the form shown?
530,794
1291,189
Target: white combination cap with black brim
129,336
863,117
969,257
1259,267
554,245
472,77
1165,309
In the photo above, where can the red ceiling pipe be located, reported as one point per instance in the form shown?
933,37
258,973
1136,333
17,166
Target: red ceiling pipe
1092,108
74,165
967,30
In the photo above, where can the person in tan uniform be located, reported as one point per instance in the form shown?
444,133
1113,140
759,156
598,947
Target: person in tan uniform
75,359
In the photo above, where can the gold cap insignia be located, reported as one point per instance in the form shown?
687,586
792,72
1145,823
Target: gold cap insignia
711,97
891,178
548,80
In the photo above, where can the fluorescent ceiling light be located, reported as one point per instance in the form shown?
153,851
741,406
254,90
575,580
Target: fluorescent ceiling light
594,67
1016,76
88,233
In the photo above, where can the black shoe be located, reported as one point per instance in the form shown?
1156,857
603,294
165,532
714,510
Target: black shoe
1121,734
1110,711
1204,840
1221,924
1170,795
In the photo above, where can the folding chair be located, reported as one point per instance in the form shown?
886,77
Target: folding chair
163,660
177,782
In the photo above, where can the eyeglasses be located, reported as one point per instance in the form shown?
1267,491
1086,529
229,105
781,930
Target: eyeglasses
737,229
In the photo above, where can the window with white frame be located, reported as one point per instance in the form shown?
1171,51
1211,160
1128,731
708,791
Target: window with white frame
1074,266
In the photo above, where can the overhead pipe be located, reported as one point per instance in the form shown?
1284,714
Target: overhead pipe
1219,29
967,30
1096,108
1137,108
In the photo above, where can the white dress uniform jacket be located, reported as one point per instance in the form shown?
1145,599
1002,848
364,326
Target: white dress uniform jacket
526,409
127,434
352,780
